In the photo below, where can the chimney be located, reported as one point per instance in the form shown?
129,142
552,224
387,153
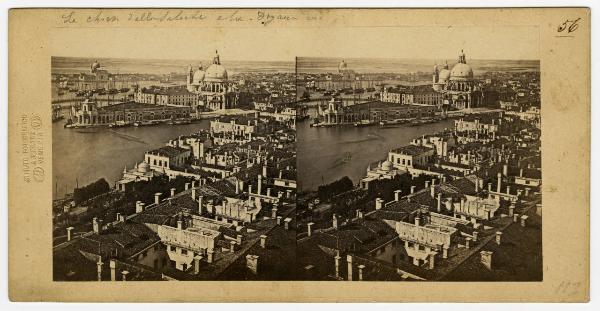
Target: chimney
360,272
439,202
475,236
259,190
511,209
432,191
113,270
193,183
521,173
468,243
124,274
476,185
505,170
69,234
252,263
538,209
99,268
309,227
268,192
232,246
489,187
515,217
264,171
527,191
179,224
397,195
349,260
432,260
173,192
486,259
197,259
239,238
237,187
287,223
445,251
498,237
138,207
426,184
200,199
194,193
279,220
412,189
443,178
507,189
378,203
157,198
96,225
118,218
524,220
417,221
335,221
210,255
263,241
274,212
337,259
499,183
187,185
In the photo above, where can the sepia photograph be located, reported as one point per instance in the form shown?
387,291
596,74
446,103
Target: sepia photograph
186,170
299,155
413,168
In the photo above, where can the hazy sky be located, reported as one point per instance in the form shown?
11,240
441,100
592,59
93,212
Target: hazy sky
283,44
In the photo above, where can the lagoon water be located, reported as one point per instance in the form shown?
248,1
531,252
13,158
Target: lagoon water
329,153
83,156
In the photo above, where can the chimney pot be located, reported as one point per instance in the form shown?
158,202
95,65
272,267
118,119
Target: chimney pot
173,191
124,274
486,259
263,241
360,272
498,237
113,270
69,233
309,227
350,268
157,198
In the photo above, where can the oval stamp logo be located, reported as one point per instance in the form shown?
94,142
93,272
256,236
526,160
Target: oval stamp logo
38,174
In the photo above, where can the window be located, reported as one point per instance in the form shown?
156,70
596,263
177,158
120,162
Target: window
184,252
172,248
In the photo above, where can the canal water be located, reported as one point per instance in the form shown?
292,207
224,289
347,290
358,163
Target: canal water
86,155
326,154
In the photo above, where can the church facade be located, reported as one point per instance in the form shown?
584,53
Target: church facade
213,86
458,87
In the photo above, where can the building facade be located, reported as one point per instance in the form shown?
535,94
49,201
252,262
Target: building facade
213,86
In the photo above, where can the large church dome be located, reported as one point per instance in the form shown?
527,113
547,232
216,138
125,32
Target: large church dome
216,73
461,71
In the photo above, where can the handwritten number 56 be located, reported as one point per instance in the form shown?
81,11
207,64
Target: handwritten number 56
569,25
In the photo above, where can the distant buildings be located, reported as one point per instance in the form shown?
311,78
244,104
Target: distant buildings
88,113
174,96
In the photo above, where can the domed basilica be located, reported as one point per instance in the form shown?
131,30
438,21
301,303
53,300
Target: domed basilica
213,85
457,85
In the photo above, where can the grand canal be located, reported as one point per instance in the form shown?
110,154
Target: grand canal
329,153
86,155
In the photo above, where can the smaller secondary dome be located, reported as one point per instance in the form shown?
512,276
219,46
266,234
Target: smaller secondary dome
143,167
198,76
386,166
444,75
343,65
216,72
